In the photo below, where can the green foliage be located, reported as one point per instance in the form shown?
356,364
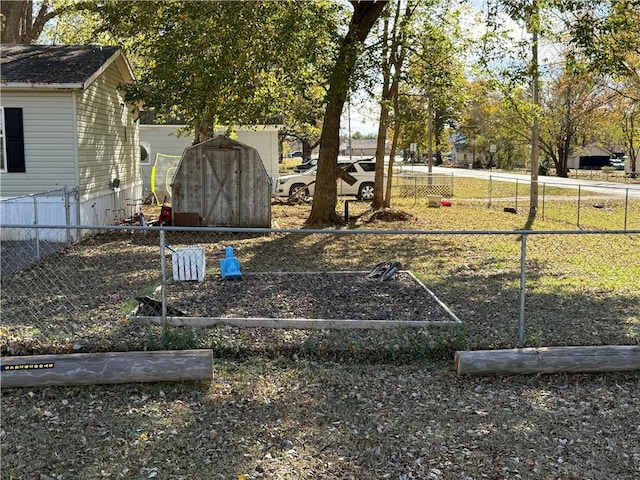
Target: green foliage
227,62
607,35
435,75
171,338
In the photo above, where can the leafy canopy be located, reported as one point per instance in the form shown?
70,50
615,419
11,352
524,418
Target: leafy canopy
226,62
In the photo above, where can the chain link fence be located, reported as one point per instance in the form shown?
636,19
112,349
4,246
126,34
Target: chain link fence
608,206
136,288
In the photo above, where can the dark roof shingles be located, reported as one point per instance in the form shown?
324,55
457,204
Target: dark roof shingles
50,64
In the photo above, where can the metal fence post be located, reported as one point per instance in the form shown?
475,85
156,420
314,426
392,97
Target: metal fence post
489,205
626,207
67,213
544,185
163,287
35,222
578,212
523,269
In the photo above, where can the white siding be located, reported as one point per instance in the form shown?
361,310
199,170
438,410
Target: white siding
161,139
48,142
265,140
165,139
107,138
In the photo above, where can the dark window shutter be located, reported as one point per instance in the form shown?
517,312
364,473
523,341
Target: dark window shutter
14,134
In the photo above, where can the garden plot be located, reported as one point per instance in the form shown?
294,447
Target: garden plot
306,300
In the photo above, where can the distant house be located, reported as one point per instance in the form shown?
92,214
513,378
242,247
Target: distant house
364,147
590,157
463,152
65,123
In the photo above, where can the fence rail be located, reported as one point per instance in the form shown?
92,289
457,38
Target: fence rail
516,288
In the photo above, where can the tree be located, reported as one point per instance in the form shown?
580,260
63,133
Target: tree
394,34
420,70
24,20
226,63
606,36
323,210
570,104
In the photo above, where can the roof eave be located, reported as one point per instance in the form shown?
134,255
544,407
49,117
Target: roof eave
41,86
121,62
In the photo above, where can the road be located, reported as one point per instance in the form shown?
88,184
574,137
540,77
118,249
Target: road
606,188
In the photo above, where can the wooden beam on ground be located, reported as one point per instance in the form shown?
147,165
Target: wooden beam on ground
106,368
608,358
301,323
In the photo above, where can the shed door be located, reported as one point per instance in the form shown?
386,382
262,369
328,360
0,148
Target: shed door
221,196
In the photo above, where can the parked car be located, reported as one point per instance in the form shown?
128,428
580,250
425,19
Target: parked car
305,165
363,171
296,154
617,163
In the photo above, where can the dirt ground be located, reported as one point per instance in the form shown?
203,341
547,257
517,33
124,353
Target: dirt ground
292,404
323,295
293,419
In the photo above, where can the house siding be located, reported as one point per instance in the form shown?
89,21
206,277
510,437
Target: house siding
108,149
48,142
107,137
161,139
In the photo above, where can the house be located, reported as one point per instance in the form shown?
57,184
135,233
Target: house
590,157
363,147
464,151
161,147
65,123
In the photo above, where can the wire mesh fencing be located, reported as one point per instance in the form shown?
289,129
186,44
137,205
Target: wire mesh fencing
610,207
122,289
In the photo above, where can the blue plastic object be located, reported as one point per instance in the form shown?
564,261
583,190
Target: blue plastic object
230,266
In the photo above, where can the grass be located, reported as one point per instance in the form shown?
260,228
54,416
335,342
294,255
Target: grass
294,404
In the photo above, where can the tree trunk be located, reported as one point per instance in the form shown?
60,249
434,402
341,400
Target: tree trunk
607,358
535,127
306,149
378,197
20,27
323,212
14,15
107,368
392,155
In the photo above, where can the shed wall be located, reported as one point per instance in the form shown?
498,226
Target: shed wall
226,186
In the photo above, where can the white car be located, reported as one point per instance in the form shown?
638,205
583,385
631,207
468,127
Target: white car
363,171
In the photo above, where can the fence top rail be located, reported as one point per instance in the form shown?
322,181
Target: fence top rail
306,231
575,185
40,194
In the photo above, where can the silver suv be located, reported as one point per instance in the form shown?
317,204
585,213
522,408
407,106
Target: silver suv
362,170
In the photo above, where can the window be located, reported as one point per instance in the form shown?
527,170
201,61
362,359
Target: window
12,140
145,153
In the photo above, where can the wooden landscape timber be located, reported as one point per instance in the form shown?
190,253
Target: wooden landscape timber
301,323
106,368
573,359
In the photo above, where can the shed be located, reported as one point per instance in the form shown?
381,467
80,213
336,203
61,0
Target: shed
161,147
225,182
